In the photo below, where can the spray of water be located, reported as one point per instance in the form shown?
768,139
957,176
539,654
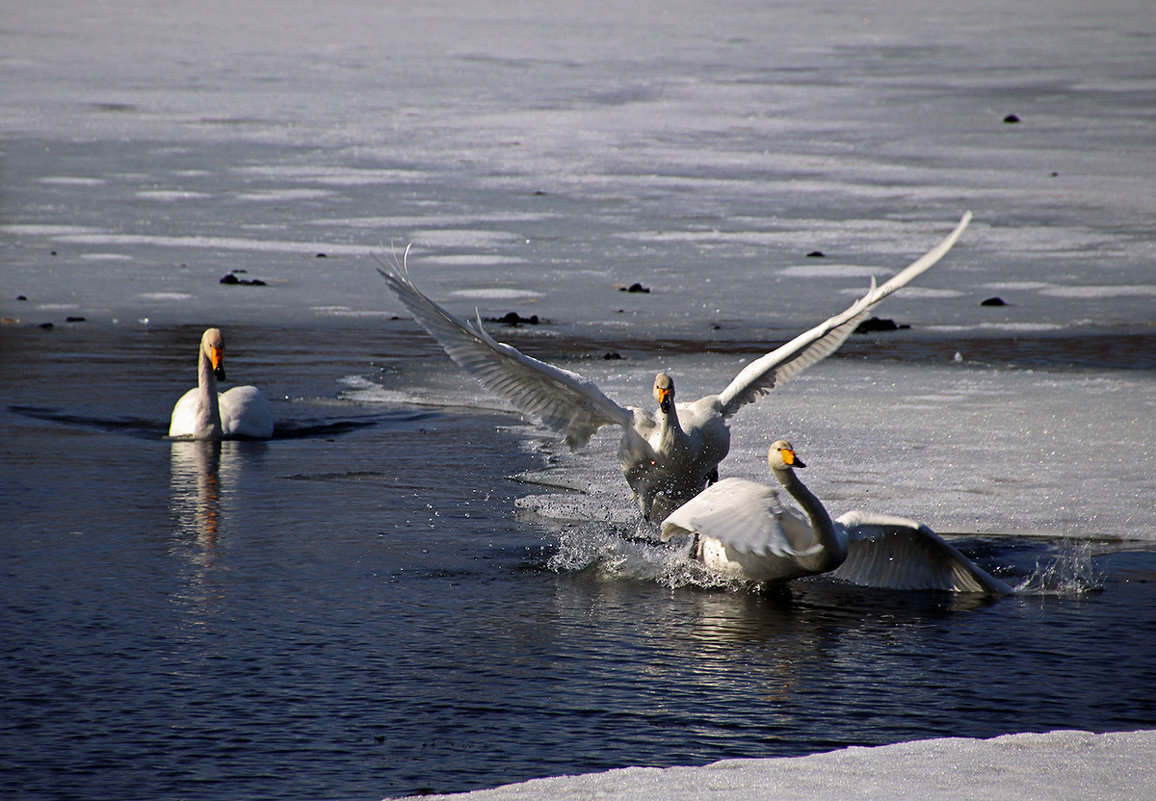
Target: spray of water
1068,574
632,552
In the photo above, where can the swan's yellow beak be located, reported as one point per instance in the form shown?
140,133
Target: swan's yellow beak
217,358
664,400
790,459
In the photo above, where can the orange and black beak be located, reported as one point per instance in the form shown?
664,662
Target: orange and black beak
664,400
217,357
790,459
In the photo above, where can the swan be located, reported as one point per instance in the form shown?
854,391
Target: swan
203,413
740,528
668,457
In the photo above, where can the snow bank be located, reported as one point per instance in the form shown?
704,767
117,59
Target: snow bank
1058,766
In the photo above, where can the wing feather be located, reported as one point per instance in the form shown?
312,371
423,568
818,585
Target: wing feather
780,365
557,398
745,516
900,554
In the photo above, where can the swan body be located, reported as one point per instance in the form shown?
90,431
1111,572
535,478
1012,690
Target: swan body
667,456
205,414
742,530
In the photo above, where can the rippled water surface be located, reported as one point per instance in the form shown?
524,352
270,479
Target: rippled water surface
362,609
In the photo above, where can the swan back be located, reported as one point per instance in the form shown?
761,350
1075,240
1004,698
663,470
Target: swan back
245,414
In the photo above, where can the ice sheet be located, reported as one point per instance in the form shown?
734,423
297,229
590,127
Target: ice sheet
702,154
1057,766
962,446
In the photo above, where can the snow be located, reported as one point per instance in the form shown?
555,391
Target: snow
1055,766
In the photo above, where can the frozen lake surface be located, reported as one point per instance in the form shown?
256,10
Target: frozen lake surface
327,616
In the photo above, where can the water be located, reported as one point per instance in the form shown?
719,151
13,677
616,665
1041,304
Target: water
365,608
411,589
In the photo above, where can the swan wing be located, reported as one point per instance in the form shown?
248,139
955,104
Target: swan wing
183,422
557,398
742,515
245,413
768,371
901,554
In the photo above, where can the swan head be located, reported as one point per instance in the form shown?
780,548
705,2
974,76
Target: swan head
782,456
213,349
664,392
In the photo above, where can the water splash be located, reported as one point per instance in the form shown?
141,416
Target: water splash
633,552
1068,574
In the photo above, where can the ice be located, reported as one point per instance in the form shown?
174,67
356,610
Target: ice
653,143
963,448
1053,766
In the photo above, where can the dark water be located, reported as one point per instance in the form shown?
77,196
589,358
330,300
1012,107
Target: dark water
357,610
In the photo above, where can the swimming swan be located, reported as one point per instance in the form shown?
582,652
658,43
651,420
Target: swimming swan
203,413
667,459
741,529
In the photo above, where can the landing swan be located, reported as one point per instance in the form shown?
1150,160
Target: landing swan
203,413
666,458
741,529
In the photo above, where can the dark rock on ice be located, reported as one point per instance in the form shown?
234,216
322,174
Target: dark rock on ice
232,280
876,324
513,318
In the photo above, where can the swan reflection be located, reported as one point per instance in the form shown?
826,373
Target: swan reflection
195,484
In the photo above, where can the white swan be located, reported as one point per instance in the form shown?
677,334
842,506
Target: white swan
741,529
203,413
667,459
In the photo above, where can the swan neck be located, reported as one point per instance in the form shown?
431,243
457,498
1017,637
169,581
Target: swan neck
209,410
834,546
671,427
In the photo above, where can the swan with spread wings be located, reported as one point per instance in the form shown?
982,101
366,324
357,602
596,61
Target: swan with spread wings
741,529
667,457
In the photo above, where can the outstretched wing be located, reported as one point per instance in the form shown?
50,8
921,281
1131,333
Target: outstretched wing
767,372
745,516
557,398
900,554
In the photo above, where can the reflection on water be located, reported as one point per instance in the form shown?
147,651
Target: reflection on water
195,483
202,474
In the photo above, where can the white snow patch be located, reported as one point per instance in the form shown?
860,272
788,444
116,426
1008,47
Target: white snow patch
497,294
71,180
1072,765
1133,291
170,195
